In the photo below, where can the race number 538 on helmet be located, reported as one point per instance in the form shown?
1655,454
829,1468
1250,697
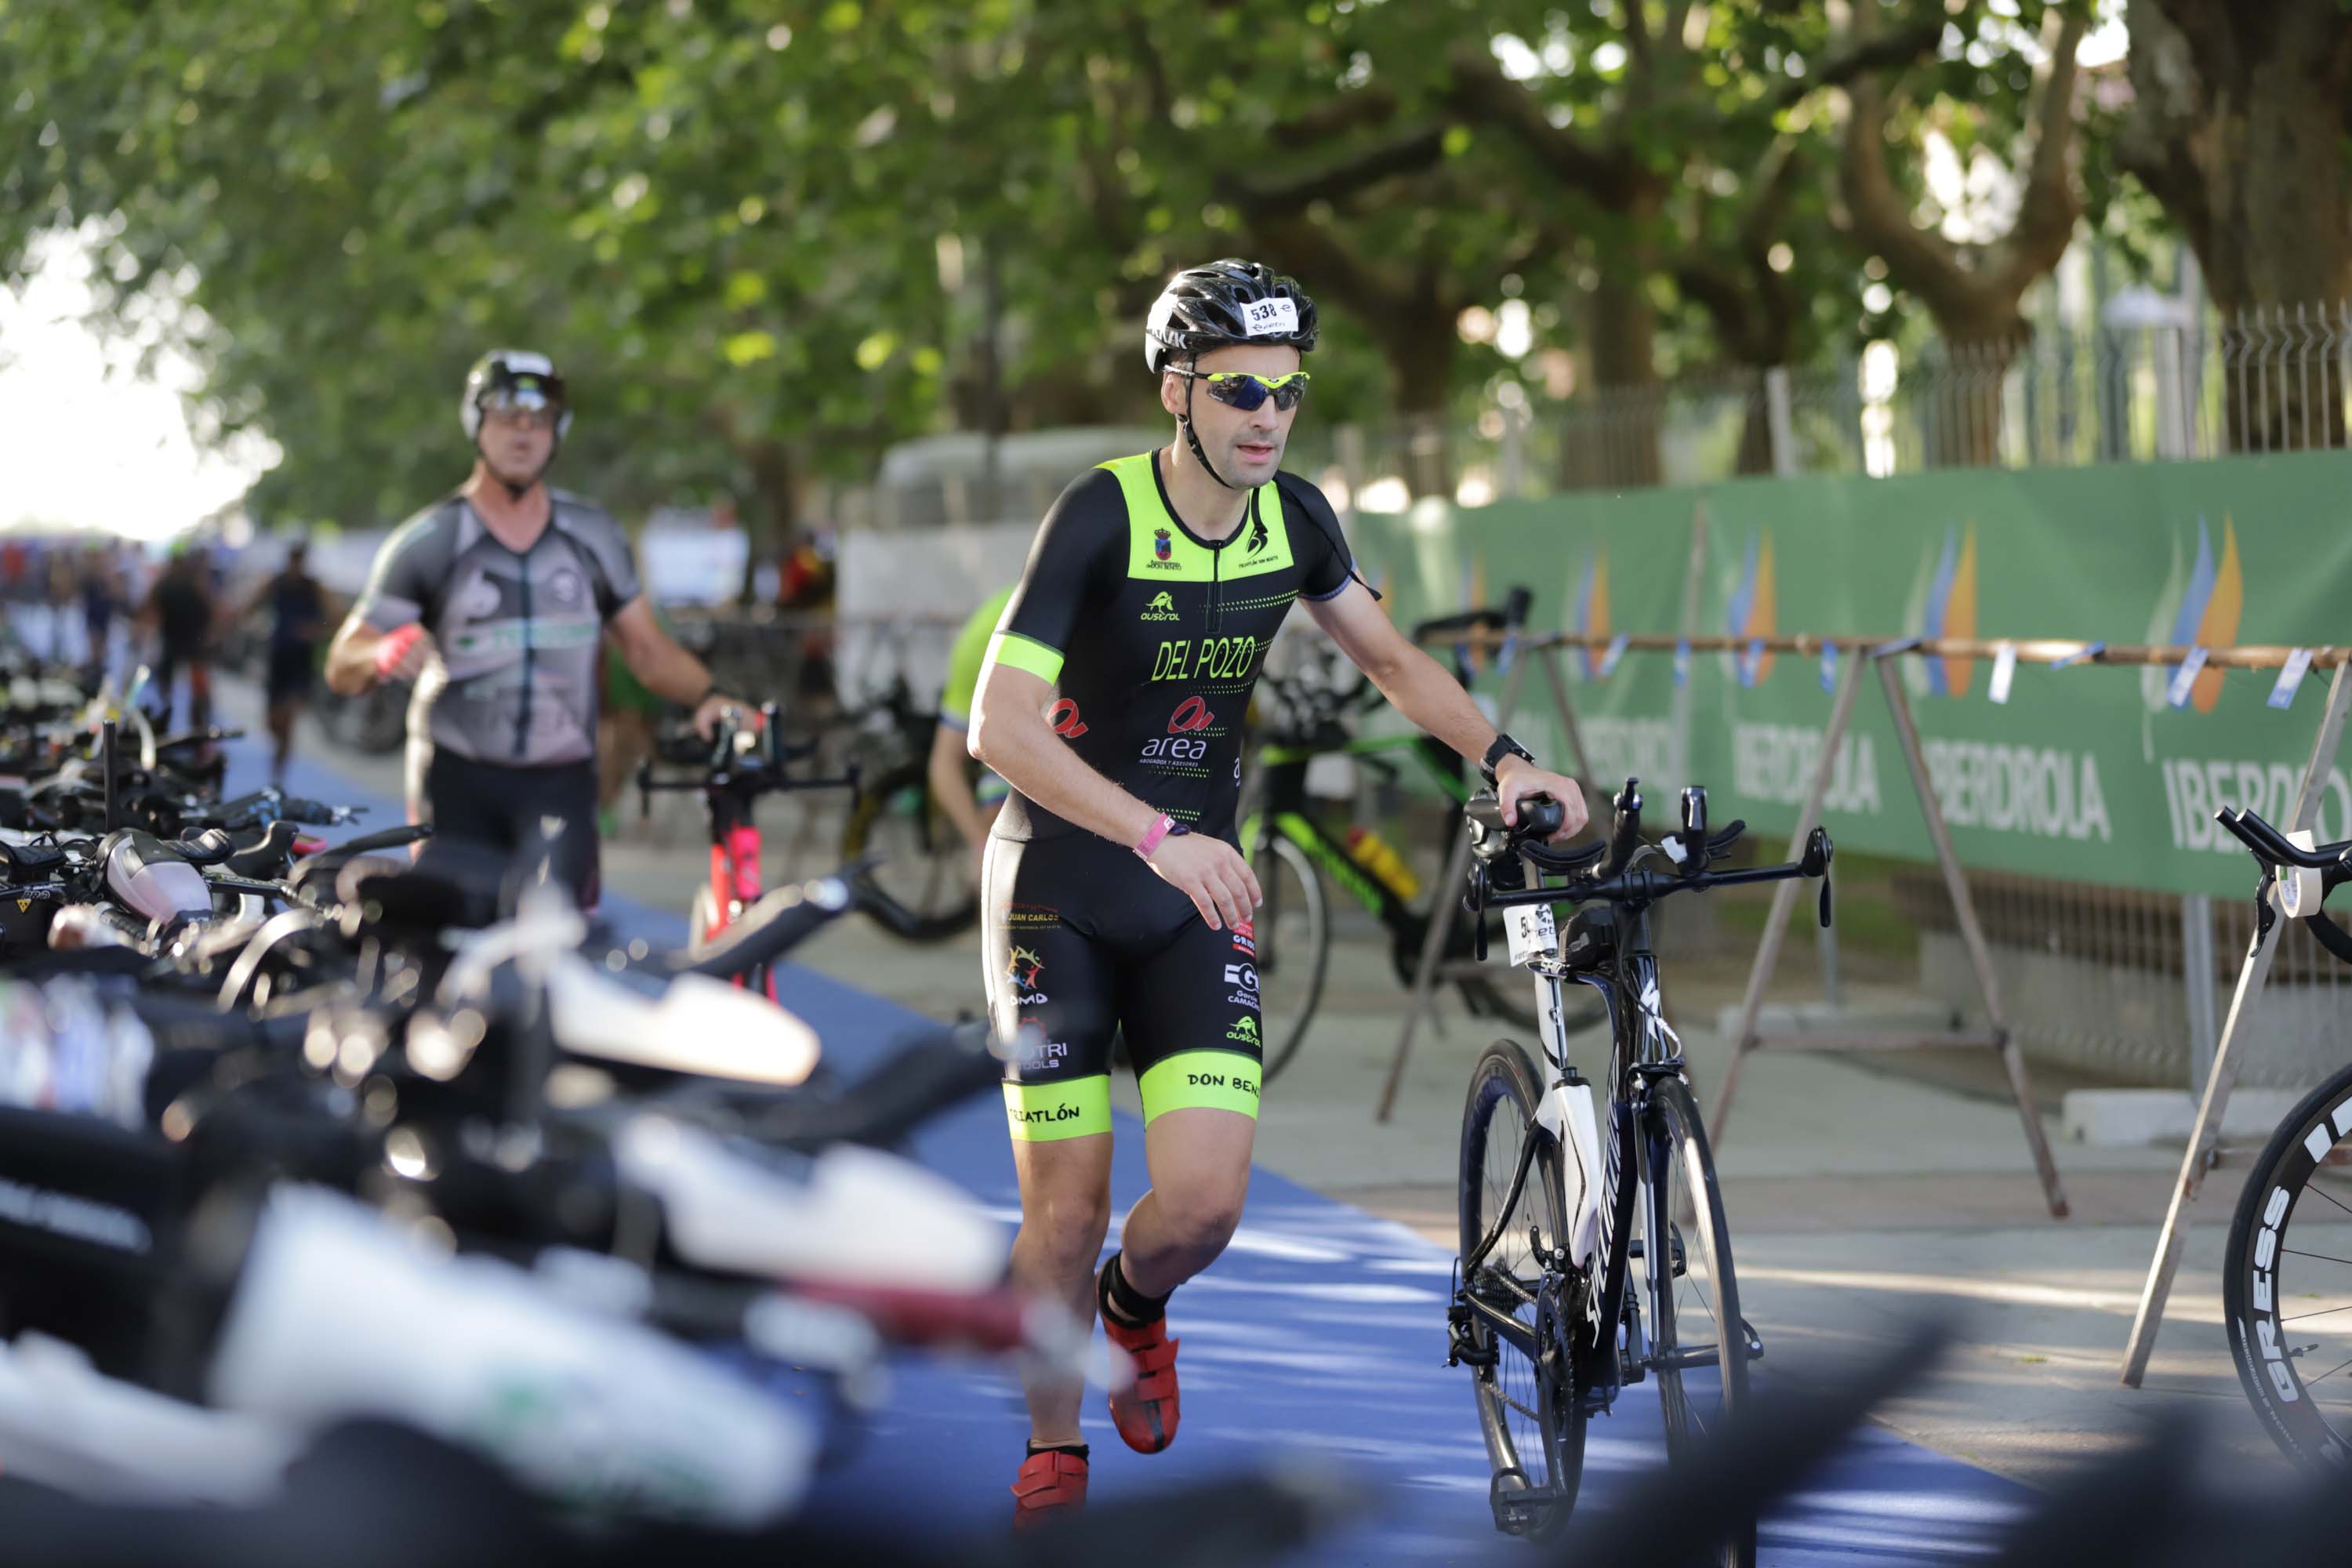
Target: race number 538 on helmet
513,378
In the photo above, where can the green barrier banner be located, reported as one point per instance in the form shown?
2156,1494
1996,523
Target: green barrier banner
2087,772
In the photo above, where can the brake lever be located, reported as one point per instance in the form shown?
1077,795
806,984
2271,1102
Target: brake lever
1819,852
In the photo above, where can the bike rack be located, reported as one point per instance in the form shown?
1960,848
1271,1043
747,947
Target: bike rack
1996,1035
2203,1152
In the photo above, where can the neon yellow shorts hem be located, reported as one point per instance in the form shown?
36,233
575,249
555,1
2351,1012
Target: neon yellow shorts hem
1214,1080
1070,1108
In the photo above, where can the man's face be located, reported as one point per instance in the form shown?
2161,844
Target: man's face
1246,449
517,442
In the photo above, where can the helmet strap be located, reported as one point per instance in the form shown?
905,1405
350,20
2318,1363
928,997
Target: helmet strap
1185,421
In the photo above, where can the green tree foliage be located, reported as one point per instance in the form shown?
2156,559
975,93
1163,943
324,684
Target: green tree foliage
768,239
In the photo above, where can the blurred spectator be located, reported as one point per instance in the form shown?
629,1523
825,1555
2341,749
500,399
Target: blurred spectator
297,603
101,597
806,584
180,613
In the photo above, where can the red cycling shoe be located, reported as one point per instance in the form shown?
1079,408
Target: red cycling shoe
1146,1414
1049,1486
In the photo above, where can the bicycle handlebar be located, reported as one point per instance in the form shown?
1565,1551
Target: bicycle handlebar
1510,616
770,928
1609,871
2270,844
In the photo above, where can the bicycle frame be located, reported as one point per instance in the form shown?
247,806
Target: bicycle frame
1642,1049
1284,808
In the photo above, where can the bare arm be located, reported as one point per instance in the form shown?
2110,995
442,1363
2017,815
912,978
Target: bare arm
351,658
1009,733
654,657
950,789
1426,694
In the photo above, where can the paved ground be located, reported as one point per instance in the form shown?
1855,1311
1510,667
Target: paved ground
1862,1196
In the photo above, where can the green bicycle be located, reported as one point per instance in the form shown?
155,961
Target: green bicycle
1297,858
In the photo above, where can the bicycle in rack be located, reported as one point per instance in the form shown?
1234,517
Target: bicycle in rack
1300,858
920,885
737,767
2286,1272
1595,1250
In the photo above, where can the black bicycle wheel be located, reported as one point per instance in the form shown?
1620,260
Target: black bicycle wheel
2287,1297
1682,1289
1528,1412
1293,934
921,887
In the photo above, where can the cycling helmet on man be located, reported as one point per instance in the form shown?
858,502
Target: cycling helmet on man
516,379
1226,304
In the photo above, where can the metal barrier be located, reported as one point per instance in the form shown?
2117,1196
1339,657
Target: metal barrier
2204,1149
1855,653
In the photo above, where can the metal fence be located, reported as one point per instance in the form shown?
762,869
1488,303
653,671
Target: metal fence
2121,984
2274,379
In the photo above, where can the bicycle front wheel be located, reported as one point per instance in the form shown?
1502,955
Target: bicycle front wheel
1528,1411
1681,1280
1293,935
2286,1293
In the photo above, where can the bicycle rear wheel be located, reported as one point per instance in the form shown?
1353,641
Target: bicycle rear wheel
1528,1412
1293,935
2287,1295
1682,1282
921,889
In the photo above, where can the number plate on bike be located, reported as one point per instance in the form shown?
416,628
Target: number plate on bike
1533,935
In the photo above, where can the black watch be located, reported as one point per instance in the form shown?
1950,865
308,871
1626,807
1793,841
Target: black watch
1504,746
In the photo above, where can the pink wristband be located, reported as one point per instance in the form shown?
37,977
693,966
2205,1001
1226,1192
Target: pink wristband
1152,837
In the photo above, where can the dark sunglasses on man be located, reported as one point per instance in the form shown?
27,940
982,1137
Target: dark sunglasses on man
1242,390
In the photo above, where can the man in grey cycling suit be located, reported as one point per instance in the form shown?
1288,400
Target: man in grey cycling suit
513,587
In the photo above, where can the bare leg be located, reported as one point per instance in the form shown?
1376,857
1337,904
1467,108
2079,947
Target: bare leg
282,715
1200,1162
1064,1212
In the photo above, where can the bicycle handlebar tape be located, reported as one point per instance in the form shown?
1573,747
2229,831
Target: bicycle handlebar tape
1540,816
393,647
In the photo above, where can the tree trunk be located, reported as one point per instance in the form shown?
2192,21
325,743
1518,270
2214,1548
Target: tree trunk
770,517
1613,442
1420,352
1956,403
2238,123
1756,429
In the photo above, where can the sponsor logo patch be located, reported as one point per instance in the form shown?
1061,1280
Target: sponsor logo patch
1161,608
1023,970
